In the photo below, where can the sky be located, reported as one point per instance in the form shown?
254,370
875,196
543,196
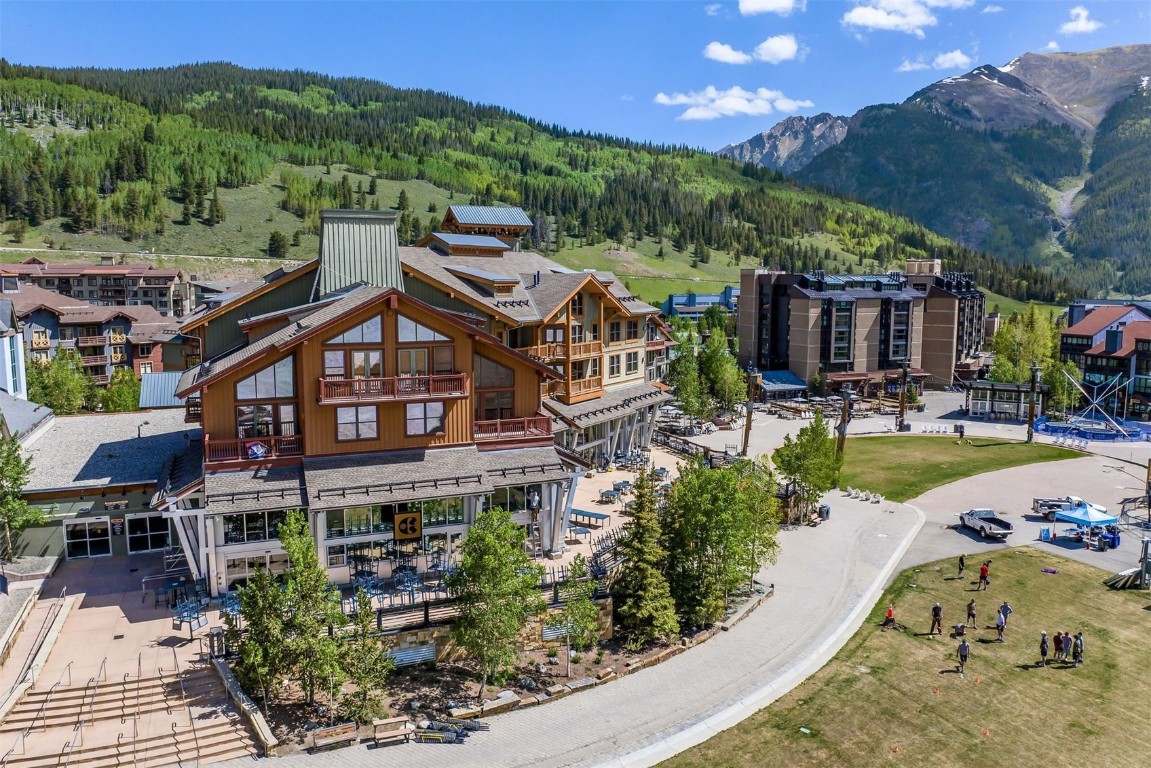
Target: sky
703,74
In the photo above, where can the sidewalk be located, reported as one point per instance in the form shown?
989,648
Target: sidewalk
825,582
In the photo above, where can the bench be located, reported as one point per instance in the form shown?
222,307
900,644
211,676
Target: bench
392,730
436,737
417,654
335,736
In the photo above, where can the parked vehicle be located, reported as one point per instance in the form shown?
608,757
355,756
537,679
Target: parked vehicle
985,521
1048,507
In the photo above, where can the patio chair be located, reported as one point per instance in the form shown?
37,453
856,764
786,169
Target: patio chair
877,499
849,491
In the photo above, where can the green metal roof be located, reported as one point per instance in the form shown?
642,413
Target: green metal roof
500,216
358,247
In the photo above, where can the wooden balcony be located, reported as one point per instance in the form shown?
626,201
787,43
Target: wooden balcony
94,360
41,342
118,357
253,448
92,341
560,351
446,386
118,338
530,428
582,386
100,379
193,410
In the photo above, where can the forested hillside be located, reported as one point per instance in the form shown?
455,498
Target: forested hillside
140,153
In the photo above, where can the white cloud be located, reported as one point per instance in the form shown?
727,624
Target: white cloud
725,53
1051,46
1079,24
992,9
712,103
627,97
910,16
713,9
777,48
956,59
781,7
912,66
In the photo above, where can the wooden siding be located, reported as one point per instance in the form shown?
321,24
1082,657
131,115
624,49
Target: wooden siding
317,423
223,331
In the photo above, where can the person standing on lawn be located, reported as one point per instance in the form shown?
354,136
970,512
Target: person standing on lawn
961,653
1043,648
962,566
1057,641
971,614
1078,648
984,576
1005,609
936,619
1000,625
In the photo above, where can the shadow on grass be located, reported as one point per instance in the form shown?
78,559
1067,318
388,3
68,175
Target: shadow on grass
949,671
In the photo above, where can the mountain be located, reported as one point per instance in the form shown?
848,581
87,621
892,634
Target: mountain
214,159
997,159
790,144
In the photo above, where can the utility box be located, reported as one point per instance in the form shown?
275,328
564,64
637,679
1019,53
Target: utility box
217,643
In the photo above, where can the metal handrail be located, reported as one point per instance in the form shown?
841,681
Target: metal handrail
38,643
48,699
94,684
187,710
71,745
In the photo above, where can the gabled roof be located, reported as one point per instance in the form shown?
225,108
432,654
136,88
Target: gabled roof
1140,330
312,323
554,291
496,216
78,312
1100,319
470,241
218,305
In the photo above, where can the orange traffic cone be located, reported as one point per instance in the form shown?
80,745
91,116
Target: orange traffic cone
977,678
986,731
936,691
895,749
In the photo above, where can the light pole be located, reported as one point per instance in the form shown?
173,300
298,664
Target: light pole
1031,403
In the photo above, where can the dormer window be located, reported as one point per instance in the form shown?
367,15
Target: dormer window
577,305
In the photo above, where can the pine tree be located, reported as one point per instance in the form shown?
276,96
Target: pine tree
403,204
277,245
642,597
372,185
367,664
186,212
123,391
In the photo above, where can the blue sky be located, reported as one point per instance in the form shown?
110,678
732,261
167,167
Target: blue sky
698,73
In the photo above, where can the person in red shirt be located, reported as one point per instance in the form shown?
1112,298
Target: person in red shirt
984,576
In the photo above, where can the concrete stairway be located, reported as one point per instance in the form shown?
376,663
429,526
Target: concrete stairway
153,721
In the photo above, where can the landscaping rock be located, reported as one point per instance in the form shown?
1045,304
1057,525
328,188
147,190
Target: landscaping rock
583,682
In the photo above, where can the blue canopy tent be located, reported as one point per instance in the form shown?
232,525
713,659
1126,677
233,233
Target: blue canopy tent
1087,515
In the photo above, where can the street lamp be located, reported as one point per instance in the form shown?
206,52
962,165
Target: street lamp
899,420
844,418
1031,403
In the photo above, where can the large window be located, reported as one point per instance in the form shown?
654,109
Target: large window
356,423
354,363
265,419
252,526
632,330
613,365
633,362
358,521
413,362
577,305
437,512
368,332
424,419
409,330
274,382
495,405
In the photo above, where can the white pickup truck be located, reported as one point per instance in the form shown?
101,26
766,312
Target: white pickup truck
985,521
1048,507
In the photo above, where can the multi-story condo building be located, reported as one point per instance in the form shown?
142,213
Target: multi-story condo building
13,379
860,329
109,284
1111,345
391,422
692,305
105,338
856,329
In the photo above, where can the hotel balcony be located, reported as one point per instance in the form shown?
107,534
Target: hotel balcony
583,386
92,341
94,360
561,351
41,342
532,428
253,448
118,338
446,386
99,379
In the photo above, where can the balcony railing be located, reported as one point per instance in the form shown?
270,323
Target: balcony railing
40,342
532,427
559,350
193,411
94,360
253,448
118,338
118,357
451,385
92,341
580,386
100,379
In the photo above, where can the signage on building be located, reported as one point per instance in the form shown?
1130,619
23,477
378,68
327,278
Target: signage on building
117,526
409,526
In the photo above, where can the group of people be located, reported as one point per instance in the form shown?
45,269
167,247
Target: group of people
1067,647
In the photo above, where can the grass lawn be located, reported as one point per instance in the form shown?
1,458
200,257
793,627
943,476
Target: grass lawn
1008,307
894,698
902,467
